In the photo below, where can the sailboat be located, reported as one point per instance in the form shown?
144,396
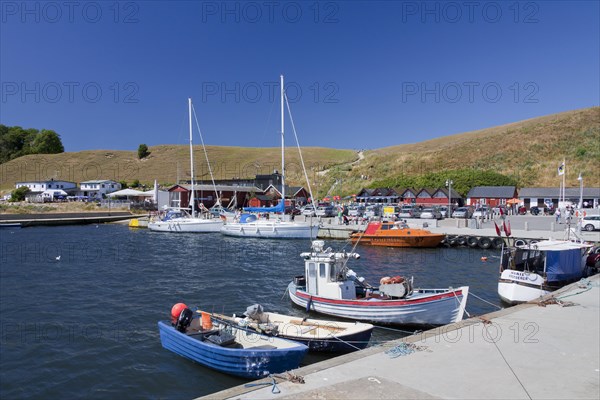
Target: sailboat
179,220
249,225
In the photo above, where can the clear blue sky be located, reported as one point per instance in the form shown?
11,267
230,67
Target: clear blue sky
108,75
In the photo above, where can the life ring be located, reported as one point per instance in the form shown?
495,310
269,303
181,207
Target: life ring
520,242
472,241
485,243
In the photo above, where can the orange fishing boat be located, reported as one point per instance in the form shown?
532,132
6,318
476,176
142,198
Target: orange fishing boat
396,234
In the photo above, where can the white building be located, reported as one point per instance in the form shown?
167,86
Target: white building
41,186
43,191
97,189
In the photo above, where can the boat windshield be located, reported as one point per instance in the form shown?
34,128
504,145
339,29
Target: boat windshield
529,260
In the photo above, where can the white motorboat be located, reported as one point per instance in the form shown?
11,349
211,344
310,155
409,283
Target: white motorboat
329,287
530,271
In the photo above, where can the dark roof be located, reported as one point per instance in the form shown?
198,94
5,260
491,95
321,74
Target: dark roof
494,192
455,194
554,192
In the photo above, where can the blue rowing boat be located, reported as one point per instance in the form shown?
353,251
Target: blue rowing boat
231,350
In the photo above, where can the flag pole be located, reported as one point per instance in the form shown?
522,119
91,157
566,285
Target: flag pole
563,180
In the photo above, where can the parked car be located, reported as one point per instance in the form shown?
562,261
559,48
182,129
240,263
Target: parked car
591,223
431,213
409,212
482,211
308,211
463,212
356,211
373,211
444,211
326,211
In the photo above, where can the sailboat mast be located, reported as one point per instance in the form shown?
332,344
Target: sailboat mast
282,148
192,200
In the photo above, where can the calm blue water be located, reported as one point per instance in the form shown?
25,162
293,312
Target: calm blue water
85,325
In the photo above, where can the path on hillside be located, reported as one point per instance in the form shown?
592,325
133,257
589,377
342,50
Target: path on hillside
361,156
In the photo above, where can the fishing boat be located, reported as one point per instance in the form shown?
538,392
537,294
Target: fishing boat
228,349
396,234
277,227
319,335
531,270
179,220
329,287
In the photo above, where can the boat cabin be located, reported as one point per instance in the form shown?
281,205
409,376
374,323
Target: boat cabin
552,260
326,274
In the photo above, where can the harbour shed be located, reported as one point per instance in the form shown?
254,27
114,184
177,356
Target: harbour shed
491,195
541,197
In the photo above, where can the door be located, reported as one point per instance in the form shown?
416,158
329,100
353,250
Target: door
312,279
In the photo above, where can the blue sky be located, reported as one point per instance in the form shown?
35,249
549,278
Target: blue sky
108,75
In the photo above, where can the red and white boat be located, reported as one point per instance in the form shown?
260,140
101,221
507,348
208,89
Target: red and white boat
329,287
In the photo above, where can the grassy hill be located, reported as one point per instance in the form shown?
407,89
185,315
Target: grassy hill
169,164
528,151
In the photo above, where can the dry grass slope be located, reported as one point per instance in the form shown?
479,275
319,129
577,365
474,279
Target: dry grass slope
168,164
529,150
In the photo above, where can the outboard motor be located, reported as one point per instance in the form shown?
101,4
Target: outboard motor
255,312
184,320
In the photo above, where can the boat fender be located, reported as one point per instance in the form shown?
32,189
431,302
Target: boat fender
473,241
385,280
308,304
184,320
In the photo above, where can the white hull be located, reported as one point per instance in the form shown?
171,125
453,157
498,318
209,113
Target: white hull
271,230
190,225
438,307
517,292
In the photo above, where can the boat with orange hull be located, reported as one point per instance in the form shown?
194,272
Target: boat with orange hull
396,234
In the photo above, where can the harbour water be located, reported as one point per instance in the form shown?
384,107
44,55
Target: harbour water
79,304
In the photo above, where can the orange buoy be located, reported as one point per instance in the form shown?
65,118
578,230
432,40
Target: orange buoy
484,259
176,311
206,321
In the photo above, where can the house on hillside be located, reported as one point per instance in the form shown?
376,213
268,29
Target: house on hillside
98,189
491,195
49,190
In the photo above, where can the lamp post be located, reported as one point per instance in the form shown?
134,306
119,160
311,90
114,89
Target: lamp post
580,179
449,184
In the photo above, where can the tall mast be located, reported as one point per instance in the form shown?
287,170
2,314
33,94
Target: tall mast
282,148
192,200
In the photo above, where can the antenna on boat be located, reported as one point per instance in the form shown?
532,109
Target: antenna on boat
282,147
192,199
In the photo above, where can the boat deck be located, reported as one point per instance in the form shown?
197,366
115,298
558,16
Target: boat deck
523,352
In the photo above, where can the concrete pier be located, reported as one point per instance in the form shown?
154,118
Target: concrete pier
538,350
65,218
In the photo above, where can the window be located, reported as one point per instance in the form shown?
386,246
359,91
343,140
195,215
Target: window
312,270
331,273
322,270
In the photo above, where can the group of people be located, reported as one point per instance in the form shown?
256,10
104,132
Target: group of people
569,211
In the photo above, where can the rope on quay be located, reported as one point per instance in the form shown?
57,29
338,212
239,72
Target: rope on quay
404,349
584,284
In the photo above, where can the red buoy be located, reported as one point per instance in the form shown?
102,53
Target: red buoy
176,311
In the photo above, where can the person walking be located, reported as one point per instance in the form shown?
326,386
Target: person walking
557,215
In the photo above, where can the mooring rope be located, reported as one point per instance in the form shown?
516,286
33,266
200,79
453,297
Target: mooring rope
506,361
485,301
